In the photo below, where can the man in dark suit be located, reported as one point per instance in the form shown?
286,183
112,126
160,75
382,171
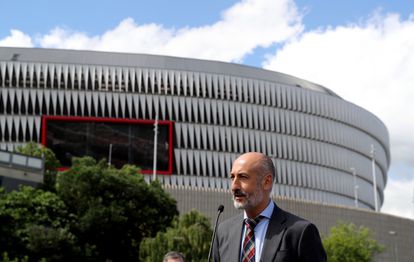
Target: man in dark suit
264,232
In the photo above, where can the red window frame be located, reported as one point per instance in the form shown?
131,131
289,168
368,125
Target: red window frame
45,119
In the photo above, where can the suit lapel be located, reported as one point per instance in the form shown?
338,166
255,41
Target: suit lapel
236,232
274,234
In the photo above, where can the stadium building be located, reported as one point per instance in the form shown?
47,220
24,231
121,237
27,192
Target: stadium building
329,153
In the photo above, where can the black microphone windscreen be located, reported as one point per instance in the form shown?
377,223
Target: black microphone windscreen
221,208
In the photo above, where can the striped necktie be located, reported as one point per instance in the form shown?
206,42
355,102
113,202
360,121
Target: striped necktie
248,254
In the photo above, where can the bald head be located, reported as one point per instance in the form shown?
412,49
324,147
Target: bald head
259,162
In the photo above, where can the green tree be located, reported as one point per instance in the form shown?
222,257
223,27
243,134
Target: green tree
115,208
190,235
51,162
34,223
349,243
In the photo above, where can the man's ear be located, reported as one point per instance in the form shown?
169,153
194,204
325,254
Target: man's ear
267,182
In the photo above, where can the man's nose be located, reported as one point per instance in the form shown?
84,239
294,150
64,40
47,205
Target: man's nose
235,184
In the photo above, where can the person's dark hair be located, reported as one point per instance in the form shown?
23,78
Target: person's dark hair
173,255
267,166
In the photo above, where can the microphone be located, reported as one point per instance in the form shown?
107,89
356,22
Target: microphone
220,210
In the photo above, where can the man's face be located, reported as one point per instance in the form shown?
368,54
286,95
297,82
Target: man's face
249,188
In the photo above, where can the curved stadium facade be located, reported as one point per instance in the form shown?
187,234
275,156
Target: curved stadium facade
82,102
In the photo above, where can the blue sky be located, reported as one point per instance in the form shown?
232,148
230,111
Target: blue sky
362,50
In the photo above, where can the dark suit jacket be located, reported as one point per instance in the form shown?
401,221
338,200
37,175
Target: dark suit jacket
288,238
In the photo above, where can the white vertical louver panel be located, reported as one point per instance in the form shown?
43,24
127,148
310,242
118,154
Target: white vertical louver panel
235,140
161,104
75,101
122,102
102,103
250,116
93,77
214,111
68,100
197,133
3,66
12,93
16,125
47,97
238,116
101,77
226,113
194,83
58,70
190,161
24,70
17,69
233,88
201,109
10,69
217,138
227,88
37,122
112,79
222,136
169,108
220,112
61,99
37,71
184,133
194,107
178,128
189,109
222,87
136,104
203,165
184,83
115,99
208,110
151,84
140,76
81,99
72,73
216,87
23,125
31,73
176,105
156,103
105,75
88,101
153,105
240,141
210,132
204,138
9,124
132,76
177,157
3,127
79,70
19,99
177,80
246,140
229,139
128,102
95,100
171,80
201,87
85,72
32,99
142,103
182,108
184,161
209,85
232,108
39,93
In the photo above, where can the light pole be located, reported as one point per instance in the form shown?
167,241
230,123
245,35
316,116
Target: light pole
154,168
394,234
355,186
374,177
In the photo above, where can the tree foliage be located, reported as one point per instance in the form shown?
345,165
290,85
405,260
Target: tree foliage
190,235
97,213
115,208
349,243
51,162
35,223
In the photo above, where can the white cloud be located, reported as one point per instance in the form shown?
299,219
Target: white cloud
242,28
399,200
371,65
17,39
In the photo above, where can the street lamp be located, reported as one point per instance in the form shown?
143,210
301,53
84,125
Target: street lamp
394,234
355,186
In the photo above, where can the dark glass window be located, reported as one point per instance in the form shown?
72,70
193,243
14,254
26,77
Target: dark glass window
130,143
